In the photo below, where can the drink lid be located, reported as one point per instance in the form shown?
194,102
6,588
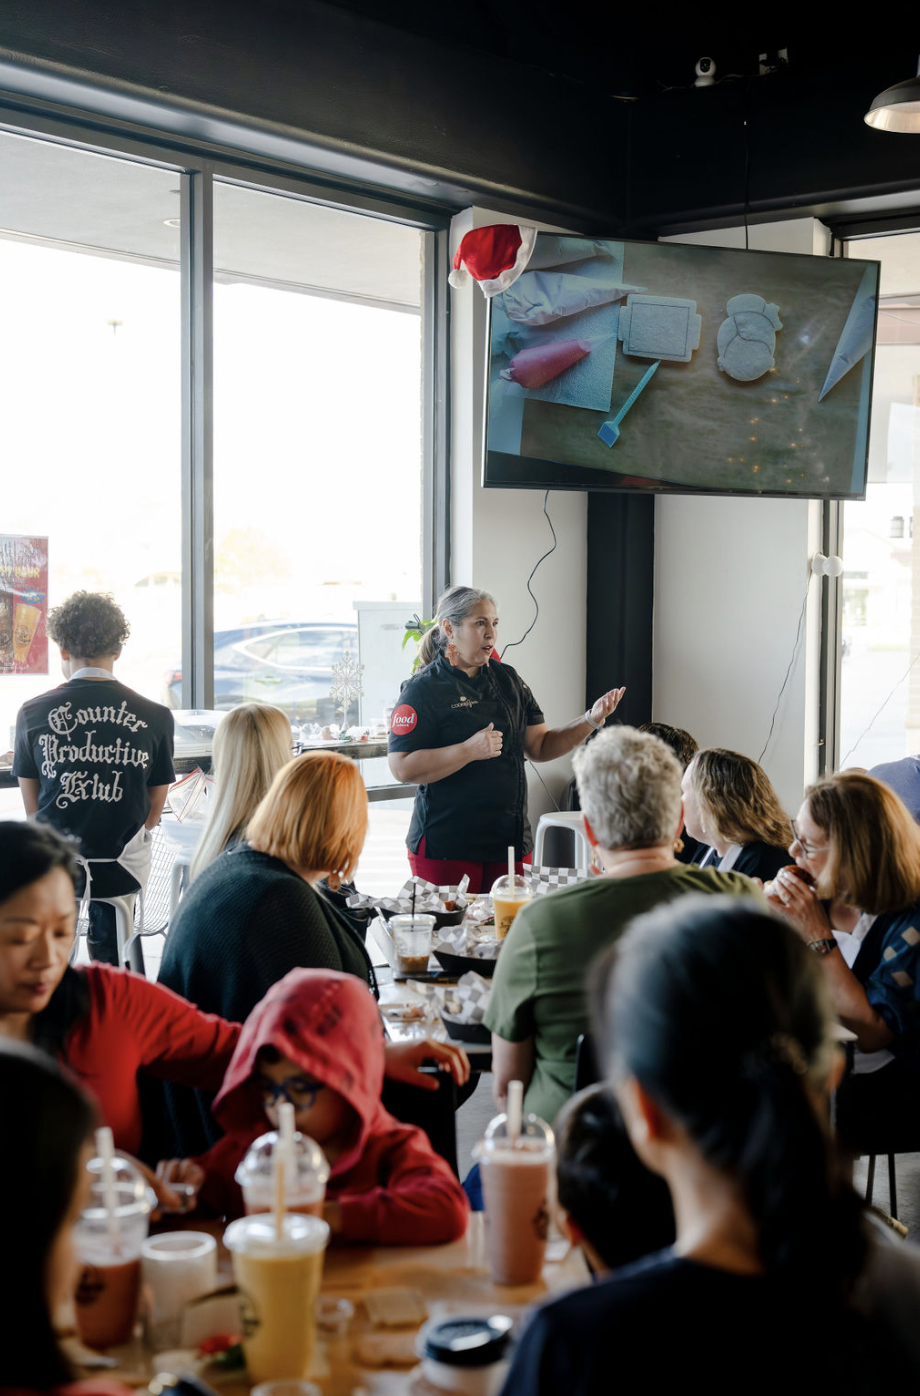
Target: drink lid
536,1135
310,1166
133,1198
406,921
466,1342
513,889
256,1235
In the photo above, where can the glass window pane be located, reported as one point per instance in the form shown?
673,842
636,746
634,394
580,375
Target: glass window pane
90,367
880,686
317,455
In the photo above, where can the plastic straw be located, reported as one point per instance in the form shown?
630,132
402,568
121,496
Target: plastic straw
286,1133
515,1110
279,1193
511,865
105,1148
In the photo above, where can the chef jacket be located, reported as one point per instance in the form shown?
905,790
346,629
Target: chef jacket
476,813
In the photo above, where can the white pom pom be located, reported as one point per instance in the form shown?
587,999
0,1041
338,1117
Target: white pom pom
458,278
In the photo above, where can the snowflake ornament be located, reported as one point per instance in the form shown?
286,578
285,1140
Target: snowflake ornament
346,683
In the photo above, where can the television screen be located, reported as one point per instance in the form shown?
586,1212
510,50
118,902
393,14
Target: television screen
663,366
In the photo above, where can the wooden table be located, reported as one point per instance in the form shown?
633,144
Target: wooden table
451,1279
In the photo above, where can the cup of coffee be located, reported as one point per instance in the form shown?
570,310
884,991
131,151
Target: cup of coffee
412,938
509,894
108,1238
278,1278
516,1175
305,1176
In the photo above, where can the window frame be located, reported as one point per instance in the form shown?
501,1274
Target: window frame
197,167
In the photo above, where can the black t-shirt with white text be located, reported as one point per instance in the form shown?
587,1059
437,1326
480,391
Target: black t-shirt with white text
95,746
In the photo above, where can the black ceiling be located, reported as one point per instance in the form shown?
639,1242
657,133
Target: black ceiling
638,51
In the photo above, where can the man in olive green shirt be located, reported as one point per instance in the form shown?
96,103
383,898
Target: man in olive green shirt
629,786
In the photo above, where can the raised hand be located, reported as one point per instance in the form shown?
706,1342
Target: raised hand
605,705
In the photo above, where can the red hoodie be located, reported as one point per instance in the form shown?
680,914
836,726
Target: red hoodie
393,1189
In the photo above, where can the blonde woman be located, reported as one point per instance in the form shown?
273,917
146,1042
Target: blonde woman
730,804
251,745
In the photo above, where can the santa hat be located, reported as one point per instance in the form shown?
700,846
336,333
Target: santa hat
493,256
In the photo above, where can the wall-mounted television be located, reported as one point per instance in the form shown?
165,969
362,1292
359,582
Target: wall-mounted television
619,365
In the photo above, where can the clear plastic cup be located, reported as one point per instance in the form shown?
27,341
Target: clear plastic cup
278,1279
516,1188
176,1267
412,939
509,894
108,1247
304,1182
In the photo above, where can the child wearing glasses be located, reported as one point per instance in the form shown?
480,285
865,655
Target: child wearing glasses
316,1040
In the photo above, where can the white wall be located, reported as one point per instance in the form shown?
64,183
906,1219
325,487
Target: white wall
498,535
730,580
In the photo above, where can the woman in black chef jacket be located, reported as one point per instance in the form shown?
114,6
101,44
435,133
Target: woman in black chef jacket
463,709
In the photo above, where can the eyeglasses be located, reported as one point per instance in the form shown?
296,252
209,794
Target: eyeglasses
809,849
295,1090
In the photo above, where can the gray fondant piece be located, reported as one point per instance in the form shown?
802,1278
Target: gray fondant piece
660,327
747,338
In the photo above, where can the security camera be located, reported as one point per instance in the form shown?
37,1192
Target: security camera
705,72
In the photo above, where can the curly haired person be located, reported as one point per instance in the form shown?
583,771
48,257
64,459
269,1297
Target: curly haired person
94,758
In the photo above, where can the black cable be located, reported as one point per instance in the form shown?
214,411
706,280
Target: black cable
536,604
545,786
747,160
798,634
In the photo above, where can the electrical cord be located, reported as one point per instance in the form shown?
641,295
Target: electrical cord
865,732
544,784
795,647
536,605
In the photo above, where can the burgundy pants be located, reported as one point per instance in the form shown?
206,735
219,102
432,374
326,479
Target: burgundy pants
447,872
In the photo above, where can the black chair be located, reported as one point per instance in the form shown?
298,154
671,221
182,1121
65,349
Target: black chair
435,1112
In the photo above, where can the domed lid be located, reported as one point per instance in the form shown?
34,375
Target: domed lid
130,1193
310,1165
466,1342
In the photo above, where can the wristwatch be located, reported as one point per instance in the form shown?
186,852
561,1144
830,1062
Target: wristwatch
591,723
822,947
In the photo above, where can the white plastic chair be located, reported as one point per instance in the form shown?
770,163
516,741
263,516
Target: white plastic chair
564,819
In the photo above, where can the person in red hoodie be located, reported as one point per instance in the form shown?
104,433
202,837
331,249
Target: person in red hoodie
316,1040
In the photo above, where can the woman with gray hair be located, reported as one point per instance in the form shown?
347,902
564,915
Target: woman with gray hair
629,786
463,709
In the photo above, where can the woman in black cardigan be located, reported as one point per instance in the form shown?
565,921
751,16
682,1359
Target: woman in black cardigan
730,804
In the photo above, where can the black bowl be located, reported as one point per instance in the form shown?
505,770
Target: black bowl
441,918
462,964
468,1032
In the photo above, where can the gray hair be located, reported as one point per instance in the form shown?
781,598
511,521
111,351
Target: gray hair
454,605
629,786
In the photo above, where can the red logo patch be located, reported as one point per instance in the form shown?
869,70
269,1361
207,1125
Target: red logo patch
403,720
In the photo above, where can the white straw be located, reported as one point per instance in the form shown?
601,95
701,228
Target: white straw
105,1148
515,1110
511,865
286,1133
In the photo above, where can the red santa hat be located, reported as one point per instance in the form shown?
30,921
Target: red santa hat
494,256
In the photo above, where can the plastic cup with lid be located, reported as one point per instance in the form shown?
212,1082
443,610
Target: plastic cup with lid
305,1175
108,1238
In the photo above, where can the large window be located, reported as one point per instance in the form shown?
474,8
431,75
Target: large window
880,677
220,397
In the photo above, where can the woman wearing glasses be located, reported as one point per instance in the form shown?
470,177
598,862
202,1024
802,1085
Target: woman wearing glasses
859,909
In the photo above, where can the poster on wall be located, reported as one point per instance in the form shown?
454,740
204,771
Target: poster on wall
23,604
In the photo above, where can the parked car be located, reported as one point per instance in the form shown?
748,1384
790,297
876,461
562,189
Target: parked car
282,662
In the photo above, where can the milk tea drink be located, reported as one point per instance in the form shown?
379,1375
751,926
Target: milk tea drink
516,1179
108,1241
509,895
278,1278
306,1173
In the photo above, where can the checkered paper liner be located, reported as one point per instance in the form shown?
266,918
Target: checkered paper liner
455,940
428,898
541,880
466,1001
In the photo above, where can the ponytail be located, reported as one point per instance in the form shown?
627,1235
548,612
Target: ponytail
431,644
722,1015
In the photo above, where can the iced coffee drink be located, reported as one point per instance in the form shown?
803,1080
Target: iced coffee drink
412,939
25,623
509,895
